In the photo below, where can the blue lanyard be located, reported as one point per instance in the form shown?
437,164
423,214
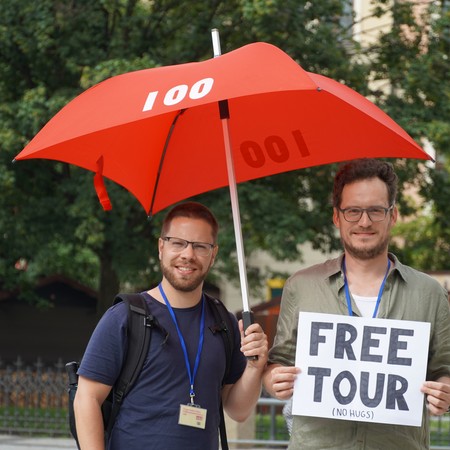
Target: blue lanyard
380,293
191,373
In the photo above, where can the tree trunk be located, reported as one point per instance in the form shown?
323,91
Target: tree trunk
109,283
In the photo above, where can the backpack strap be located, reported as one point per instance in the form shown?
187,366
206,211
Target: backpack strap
225,327
140,325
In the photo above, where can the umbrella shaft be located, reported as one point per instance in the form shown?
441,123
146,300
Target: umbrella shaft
236,215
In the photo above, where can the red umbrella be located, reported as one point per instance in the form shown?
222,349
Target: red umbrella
160,133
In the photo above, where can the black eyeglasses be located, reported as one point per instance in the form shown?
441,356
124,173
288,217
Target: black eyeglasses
177,245
375,213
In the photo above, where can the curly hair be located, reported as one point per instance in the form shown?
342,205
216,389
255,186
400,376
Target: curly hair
363,169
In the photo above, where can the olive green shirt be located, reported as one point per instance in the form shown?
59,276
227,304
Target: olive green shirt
407,295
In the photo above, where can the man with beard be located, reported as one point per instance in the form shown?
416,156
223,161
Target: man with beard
366,281
184,369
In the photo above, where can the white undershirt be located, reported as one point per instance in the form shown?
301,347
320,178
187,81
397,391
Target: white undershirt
366,305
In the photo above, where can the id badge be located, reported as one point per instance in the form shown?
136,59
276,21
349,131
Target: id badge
192,416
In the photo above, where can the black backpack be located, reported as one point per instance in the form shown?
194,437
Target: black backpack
140,325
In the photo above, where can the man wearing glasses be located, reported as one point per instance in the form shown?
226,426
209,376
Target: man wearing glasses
366,281
175,402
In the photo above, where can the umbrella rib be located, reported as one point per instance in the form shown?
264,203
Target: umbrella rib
161,161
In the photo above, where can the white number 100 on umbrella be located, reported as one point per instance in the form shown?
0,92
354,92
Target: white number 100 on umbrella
178,93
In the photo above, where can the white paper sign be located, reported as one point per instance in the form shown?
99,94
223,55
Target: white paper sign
360,369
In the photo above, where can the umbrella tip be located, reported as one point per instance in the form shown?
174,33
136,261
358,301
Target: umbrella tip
216,42
150,217
14,160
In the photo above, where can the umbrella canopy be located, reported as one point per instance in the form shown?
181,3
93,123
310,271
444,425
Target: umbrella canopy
157,132
169,133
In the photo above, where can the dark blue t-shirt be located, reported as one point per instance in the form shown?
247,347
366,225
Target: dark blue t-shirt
149,414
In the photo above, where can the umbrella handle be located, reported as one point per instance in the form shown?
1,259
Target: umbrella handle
248,319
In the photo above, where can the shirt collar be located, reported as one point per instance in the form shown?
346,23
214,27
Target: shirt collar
334,267
398,267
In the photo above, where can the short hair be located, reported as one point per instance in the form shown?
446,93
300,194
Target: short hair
363,169
192,210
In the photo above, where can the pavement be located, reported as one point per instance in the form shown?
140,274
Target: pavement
13,442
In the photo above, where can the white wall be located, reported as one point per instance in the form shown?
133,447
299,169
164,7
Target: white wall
231,294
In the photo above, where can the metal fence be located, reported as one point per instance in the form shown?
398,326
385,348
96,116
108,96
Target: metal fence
270,427
34,400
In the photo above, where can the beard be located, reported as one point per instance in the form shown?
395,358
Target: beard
183,284
366,253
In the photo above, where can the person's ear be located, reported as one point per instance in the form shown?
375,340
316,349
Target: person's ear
214,254
394,215
160,248
336,218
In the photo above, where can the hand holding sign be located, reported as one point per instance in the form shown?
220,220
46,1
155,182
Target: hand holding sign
438,395
281,380
361,369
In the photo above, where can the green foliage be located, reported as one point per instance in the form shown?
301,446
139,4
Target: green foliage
413,56
266,424
52,50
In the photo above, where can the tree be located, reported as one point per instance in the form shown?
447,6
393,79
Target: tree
51,45
413,58
52,50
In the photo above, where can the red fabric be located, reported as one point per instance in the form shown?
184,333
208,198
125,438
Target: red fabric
282,118
100,188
